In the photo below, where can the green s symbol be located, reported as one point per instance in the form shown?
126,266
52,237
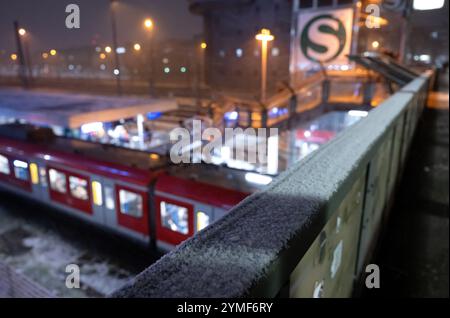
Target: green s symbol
307,43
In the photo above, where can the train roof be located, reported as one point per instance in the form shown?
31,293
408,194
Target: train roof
116,162
70,110
220,176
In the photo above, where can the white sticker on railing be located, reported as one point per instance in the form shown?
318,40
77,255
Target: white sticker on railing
337,257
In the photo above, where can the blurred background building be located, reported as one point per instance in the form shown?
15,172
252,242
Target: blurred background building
225,57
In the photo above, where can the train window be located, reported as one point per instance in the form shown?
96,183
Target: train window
202,220
21,170
174,217
78,188
130,203
43,174
4,165
109,198
57,181
97,195
34,173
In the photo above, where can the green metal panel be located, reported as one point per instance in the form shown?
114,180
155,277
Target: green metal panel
327,269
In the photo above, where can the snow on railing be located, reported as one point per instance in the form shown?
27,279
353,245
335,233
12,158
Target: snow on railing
310,233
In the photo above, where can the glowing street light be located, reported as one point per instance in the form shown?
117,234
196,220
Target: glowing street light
108,49
14,56
45,55
22,31
375,44
148,24
264,36
102,56
203,45
52,52
137,47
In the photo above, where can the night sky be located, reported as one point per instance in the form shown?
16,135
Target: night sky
45,21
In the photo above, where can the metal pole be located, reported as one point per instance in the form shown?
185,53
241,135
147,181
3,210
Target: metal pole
28,58
151,64
263,70
116,55
404,36
22,72
198,77
140,125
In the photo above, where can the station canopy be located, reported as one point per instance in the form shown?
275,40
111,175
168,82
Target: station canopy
74,110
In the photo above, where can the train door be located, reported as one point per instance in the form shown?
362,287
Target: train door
204,215
103,201
219,213
109,209
174,220
38,176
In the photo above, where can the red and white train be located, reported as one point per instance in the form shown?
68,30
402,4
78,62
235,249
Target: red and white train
132,193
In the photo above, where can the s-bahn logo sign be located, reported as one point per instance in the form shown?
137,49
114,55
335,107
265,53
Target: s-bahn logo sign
323,37
327,51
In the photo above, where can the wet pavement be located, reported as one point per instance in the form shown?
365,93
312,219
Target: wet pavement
38,243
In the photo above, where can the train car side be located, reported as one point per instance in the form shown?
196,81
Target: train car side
109,195
140,204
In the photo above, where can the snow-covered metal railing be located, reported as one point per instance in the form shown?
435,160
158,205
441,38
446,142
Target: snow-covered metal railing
310,233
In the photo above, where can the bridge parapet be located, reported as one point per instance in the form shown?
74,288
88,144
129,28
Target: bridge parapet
311,232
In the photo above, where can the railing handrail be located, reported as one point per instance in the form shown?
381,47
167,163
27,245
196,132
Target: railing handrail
253,249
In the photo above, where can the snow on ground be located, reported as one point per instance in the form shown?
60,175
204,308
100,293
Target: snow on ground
40,248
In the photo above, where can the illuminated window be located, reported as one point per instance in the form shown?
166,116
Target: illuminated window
43,174
78,188
4,165
202,220
57,181
34,173
174,217
109,198
21,170
130,203
97,195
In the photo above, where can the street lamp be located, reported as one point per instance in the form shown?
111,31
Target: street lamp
148,25
264,36
137,47
52,52
116,55
22,33
201,70
19,34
